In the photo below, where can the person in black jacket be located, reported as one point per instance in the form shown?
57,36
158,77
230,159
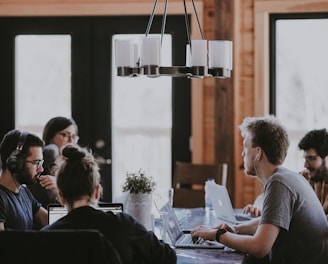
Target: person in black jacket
78,181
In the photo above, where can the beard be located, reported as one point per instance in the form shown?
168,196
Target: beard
321,173
25,177
250,170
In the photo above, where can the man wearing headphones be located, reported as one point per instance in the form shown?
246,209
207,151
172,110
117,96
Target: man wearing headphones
21,159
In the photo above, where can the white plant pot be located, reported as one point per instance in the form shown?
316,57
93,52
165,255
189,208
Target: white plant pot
139,206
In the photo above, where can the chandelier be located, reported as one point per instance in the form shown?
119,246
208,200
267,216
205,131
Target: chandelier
204,58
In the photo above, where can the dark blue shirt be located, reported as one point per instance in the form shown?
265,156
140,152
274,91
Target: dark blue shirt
17,209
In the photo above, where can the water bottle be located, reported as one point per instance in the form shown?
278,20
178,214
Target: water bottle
208,202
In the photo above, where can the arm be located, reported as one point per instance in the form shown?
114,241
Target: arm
248,228
258,245
41,217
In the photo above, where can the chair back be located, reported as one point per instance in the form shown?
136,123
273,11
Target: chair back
56,246
189,182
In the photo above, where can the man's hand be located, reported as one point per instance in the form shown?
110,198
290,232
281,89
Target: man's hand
253,210
49,182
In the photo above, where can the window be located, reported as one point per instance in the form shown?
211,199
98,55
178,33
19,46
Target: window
42,80
299,85
142,123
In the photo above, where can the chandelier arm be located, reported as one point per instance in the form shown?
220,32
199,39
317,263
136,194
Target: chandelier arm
150,21
164,21
195,11
187,22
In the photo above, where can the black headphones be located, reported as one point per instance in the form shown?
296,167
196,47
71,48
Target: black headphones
16,164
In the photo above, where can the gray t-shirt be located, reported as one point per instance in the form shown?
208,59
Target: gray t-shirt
291,204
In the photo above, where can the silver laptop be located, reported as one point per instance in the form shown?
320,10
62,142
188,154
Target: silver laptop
222,205
180,239
56,211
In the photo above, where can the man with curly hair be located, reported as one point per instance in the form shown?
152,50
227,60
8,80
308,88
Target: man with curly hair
315,153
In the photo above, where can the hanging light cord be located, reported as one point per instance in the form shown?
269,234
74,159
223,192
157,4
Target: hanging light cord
199,27
164,20
150,21
151,18
187,22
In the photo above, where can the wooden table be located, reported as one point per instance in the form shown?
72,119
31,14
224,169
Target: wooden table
190,218
208,256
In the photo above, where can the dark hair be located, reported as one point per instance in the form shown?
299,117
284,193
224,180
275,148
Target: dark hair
78,174
9,144
54,125
268,134
316,139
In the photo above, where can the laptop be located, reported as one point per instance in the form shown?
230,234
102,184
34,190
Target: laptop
180,239
222,205
56,211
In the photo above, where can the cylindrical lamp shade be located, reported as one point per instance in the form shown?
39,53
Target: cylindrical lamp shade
188,56
136,56
220,54
150,51
199,52
123,53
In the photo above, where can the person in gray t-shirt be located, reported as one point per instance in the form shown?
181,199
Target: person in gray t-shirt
292,227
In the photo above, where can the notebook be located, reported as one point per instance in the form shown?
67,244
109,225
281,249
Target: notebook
56,211
222,205
180,239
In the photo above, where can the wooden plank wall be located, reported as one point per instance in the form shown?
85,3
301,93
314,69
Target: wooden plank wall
229,101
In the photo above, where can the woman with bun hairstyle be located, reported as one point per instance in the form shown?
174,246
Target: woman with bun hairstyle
78,181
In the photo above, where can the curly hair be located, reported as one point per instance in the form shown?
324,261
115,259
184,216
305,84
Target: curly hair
316,139
269,134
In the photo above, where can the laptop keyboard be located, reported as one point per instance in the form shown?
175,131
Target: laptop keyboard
187,240
242,218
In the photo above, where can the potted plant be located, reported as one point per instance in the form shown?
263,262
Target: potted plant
139,187
138,182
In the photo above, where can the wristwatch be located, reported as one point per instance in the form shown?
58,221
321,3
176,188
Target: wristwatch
219,233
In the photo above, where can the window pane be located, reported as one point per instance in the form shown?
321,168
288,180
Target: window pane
42,80
142,123
301,79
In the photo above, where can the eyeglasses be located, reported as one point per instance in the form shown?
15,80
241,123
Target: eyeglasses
37,163
311,158
67,136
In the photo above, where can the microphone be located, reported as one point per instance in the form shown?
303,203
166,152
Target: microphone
50,154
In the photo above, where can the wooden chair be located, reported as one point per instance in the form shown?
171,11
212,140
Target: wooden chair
189,181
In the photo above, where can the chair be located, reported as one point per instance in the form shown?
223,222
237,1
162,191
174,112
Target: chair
189,182
56,246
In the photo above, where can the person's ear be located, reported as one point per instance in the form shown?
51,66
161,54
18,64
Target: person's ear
98,191
61,198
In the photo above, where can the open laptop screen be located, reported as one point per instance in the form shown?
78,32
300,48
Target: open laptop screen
56,211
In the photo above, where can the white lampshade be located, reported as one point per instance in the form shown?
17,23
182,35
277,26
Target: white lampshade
220,54
199,52
188,56
123,53
150,51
